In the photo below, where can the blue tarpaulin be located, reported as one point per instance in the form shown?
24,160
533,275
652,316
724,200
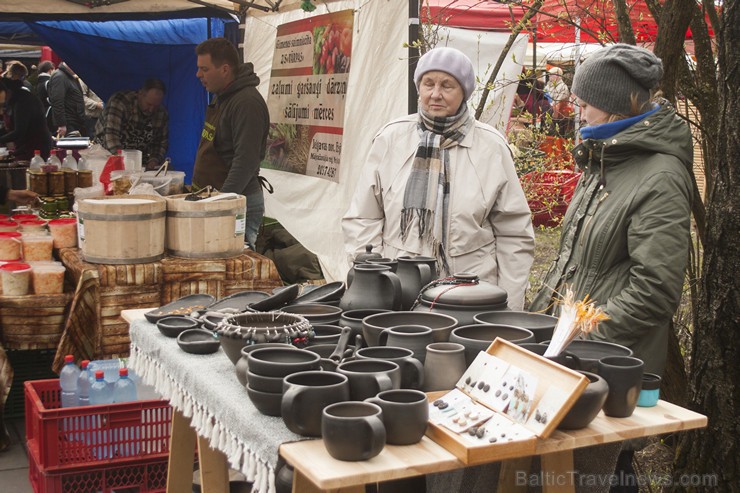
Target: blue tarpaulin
112,56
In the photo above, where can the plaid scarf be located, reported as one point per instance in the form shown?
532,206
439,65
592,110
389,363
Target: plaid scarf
428,187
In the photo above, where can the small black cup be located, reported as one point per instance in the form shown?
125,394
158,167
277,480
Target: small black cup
624,376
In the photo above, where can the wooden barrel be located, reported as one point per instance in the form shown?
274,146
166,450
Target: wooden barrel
127,229
205,229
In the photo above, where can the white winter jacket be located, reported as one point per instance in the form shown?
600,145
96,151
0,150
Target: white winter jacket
490,228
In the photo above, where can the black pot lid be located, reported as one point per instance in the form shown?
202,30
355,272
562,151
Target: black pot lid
366,255
465,289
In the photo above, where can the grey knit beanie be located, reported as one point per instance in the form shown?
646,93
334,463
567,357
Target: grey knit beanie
607,78
449,60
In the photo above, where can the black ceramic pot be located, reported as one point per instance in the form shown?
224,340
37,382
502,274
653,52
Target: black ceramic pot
624,376
588,405
541,325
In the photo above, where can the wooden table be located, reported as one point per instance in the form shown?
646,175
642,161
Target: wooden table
316,471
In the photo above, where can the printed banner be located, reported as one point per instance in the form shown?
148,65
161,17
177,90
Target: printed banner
308,92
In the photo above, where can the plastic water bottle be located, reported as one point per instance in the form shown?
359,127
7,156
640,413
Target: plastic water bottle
54,160
83,384
69,161
125,388
82,164
100,392
37,161
68,381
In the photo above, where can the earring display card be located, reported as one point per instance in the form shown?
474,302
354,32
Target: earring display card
458,412
505,401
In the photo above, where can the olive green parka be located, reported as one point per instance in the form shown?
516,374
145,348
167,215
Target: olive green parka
625,236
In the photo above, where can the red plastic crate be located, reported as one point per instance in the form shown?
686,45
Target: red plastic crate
548,194
92,435
147,476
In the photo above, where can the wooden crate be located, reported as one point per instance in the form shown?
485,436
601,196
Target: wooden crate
33,321
110,275
549,376
249,271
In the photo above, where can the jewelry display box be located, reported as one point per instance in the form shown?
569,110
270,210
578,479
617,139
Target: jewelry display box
507,400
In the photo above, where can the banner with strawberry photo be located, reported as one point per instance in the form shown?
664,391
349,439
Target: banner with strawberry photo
308,93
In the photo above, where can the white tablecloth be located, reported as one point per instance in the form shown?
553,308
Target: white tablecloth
205,388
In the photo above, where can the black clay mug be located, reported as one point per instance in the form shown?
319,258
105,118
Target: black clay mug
306,394
405,415
412,371
353,431
367,377
624,376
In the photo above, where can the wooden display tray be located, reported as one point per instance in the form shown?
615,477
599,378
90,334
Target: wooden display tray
549,374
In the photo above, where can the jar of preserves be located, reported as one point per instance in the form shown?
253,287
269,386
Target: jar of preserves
56,183
70,180
84,178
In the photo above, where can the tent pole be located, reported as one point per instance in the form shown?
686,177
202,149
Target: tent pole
413,53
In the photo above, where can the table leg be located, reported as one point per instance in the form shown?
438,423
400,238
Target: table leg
301,484
182,447
557,472
214,470
511,471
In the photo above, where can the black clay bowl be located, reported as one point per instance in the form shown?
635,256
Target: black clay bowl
477,338
540,324
588,404
172,326
211,322
279,362
332,291
198,341
261,383
325,334
590,352
316,313
440,324
266,402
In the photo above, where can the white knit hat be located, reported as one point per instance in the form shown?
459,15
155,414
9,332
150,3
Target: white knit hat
451,61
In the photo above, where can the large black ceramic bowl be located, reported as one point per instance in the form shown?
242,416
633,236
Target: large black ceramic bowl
440,324
540,324
590,352
174,325
477,338
279,362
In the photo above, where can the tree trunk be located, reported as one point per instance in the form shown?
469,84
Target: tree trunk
715,365
626,33
674,19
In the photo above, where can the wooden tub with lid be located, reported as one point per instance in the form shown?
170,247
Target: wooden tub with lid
126,229
209,228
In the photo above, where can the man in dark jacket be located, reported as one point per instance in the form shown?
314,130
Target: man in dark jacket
234,137
27,129
67,103
46,68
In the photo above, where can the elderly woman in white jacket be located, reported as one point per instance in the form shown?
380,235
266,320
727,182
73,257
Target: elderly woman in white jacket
441,184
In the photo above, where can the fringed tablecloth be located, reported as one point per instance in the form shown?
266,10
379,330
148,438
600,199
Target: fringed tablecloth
205,389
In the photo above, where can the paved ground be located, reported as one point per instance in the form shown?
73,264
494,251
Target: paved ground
14,461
